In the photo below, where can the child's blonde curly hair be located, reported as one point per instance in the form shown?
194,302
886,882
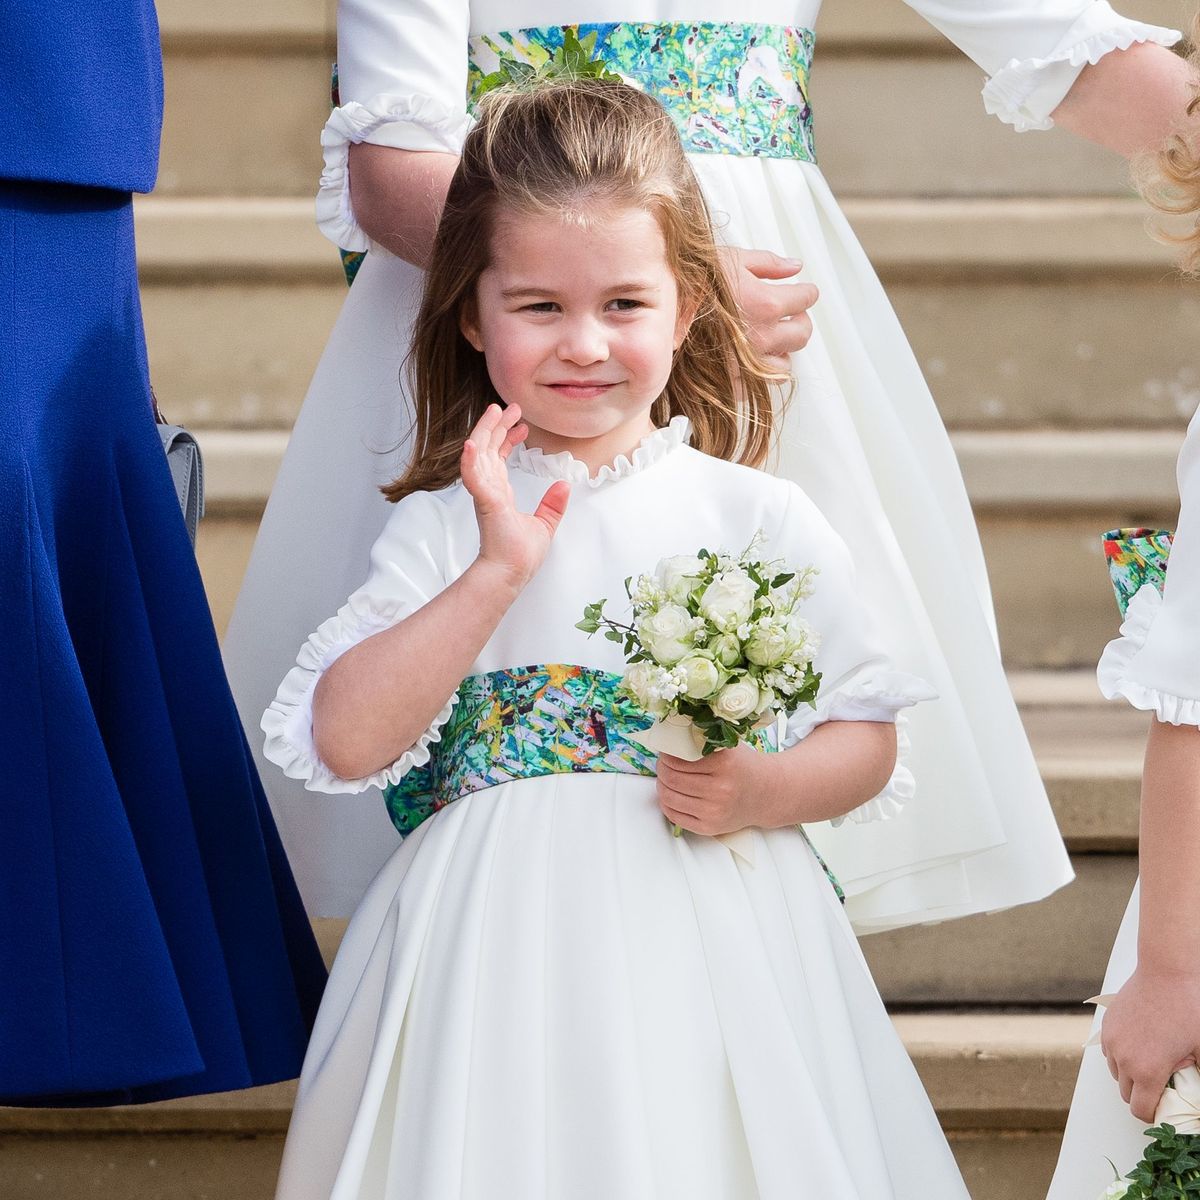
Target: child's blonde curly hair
1170,179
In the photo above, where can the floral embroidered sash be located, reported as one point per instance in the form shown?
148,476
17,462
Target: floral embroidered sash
1136,557
520,723
730,88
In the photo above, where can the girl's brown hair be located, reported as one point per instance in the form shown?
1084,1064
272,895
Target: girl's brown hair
1170,180
560,148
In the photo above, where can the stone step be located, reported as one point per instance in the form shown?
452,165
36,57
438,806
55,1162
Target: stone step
1051,953
1001,1084
1085,324
844,27
243,118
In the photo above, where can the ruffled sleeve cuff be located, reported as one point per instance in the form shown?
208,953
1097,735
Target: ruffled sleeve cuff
1026,91
881,697
403,121
288,721
1117,672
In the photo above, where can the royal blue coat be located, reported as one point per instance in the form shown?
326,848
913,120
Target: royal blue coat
81,92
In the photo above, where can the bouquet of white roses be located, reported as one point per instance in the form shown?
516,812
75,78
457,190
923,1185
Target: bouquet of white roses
716,647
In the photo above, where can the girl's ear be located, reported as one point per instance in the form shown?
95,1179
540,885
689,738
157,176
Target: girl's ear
683,322
468,323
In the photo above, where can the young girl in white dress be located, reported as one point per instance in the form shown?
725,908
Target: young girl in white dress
544,993
863,435
1152,1025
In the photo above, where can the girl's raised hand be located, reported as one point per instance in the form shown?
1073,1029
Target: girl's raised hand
511,540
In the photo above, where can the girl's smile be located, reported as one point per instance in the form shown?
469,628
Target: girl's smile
579,322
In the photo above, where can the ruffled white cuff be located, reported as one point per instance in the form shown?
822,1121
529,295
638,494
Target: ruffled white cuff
405,122
1026,91
1116,672
288,721
880,697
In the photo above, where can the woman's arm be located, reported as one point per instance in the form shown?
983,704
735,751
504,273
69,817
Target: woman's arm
1153,1025
1129,101
398,196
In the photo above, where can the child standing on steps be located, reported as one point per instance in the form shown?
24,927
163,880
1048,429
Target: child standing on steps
544,993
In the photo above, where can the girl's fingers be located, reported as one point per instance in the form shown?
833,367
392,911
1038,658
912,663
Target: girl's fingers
554,504
482,433
516,435
685,766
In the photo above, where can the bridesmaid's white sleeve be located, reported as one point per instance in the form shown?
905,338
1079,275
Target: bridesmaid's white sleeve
406,573
402,82
858,680
1034,50
1155,663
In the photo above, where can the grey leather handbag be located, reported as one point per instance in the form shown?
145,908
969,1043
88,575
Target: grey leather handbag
187,469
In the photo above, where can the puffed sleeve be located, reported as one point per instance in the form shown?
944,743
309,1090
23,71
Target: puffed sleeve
858,680
406,573
1155,663
1033,50
402,82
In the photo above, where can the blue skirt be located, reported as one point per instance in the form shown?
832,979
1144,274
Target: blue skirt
152,941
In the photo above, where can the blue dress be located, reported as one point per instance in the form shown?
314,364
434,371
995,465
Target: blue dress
152,941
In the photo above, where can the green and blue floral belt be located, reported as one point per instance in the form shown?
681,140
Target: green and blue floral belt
730,88
524,722
1136,557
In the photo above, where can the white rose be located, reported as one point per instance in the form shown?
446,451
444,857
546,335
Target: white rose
737,701
769,645
638,680
726,649
679,575
703,676
667,634
766,700
729,600
1115,1190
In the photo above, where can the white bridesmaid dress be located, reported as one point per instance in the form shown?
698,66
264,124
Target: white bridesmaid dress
544,995
863,437
1155,666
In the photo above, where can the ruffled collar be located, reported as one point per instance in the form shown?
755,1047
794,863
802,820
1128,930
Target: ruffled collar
653,448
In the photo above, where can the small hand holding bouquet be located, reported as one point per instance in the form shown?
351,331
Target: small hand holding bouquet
716,648
1170,1167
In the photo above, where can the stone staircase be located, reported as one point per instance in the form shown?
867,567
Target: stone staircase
1061,352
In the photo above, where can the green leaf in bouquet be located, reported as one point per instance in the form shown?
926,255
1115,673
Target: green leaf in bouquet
613,635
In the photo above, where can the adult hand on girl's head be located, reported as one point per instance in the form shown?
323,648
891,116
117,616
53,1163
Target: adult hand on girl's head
1150,1030
720,793
776,313
512,541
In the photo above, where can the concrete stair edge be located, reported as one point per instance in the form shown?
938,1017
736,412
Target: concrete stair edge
240,236
1027,470
982,1070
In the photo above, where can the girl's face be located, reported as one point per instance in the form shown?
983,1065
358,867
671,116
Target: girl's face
578,324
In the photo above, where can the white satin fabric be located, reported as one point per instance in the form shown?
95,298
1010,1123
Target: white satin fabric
544,994
863,436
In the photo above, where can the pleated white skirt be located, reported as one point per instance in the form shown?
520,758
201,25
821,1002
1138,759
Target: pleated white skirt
545,994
